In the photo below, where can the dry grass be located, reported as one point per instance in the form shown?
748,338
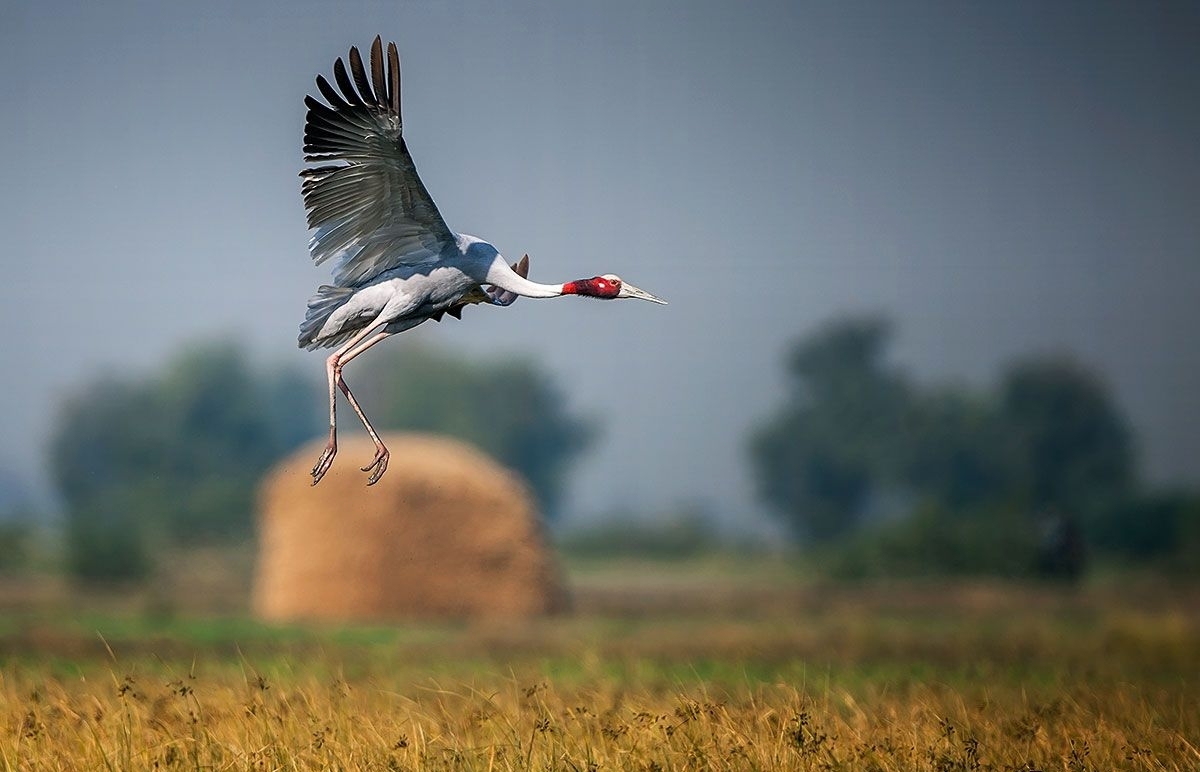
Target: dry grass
920,677
223,722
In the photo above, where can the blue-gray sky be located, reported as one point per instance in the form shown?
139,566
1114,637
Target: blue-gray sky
1000,177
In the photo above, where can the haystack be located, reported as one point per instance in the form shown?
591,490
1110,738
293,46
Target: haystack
447,532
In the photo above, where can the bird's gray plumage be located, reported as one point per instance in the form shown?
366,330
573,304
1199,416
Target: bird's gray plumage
336,313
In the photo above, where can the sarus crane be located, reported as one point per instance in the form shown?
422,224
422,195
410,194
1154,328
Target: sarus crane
397,263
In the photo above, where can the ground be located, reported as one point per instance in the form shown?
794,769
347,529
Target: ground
719,664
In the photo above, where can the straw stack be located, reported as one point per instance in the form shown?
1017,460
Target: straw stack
447,532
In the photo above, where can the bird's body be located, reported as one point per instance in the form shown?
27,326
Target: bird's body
397,264
403,297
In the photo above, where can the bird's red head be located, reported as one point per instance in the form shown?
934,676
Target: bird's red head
606,287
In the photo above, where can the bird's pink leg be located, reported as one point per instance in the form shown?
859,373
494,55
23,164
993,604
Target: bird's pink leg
378,464
326,459
333,372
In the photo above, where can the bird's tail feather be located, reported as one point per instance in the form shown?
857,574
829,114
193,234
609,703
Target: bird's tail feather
327,300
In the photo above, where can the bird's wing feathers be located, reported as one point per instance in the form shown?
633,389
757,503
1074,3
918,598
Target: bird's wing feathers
368,208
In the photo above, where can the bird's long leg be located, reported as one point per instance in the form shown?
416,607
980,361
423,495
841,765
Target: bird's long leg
378,464
333,368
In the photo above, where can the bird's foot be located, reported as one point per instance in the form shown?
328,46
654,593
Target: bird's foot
378,464
325,461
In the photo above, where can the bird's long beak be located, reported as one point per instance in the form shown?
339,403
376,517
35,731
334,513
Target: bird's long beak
630,291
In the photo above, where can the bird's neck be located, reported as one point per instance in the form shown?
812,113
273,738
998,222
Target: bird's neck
501,275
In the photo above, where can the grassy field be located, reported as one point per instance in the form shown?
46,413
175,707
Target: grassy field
716,665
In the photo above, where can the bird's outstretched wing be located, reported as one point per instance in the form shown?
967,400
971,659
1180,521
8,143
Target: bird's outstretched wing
369,209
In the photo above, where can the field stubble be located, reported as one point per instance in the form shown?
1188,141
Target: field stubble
653,671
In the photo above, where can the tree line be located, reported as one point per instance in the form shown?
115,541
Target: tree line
873,471
891,476
173,459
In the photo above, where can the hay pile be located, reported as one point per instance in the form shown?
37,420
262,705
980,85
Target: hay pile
447,532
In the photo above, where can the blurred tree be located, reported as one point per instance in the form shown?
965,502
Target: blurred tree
953,451
1069,446
840,433
509,408
977,466
15,537
17,519
175,457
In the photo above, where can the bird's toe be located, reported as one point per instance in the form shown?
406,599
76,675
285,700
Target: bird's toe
377,466
323,463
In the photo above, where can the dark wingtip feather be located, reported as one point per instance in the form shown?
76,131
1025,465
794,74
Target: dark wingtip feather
382,97
522,267
343,81
331,95
360,77
394,77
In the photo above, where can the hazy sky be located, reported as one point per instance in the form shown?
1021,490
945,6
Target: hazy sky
1000,177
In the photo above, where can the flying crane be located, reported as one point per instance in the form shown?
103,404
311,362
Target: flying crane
396,262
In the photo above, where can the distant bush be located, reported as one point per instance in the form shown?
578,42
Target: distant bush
1186,559
15,537
1146,526
675,535
107,544
171,458
935,542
